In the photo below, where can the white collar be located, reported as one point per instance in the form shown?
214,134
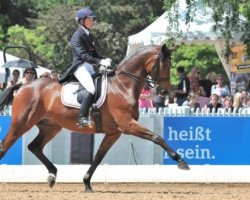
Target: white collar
85,30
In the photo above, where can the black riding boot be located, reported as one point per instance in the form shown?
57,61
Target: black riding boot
83,119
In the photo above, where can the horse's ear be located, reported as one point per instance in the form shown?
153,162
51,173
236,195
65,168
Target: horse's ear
164,48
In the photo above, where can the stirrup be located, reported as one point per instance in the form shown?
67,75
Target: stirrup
84,121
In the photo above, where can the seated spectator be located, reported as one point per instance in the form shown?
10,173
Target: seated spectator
244,96
170,101
196,88
220,88
207,83
15,77
248,102
29,74
192,101
199,91
214,103
158,98
228,103
145,100
238,101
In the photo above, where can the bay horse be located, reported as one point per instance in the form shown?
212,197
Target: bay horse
39,103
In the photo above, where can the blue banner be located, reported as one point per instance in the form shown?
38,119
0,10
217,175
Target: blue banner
14,154
209,140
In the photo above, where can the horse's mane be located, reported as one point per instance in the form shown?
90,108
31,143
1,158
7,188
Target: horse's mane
136,54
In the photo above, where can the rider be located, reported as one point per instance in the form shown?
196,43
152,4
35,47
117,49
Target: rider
84,57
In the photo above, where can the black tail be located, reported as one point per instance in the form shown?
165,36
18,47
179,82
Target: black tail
6,96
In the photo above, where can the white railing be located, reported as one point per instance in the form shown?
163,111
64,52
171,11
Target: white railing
181,111
184,111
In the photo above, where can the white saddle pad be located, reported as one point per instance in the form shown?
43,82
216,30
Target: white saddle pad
69,95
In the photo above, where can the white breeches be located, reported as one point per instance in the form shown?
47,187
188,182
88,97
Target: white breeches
83,75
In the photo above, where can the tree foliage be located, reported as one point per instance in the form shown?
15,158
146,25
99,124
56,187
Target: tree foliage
202,56
226,14
116,20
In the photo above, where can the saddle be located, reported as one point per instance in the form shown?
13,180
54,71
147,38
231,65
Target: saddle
73,94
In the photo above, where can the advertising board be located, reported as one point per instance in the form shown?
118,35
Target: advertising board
209,140
14,154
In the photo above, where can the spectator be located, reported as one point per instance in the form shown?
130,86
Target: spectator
244,96
228,103
238,99
15,77
196,88
214,103
170,101
212,76
29,74
183,87
145,100
248,102
208,82
192,101
220,88
195,73
159,98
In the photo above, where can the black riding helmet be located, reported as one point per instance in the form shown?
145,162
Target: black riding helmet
84,13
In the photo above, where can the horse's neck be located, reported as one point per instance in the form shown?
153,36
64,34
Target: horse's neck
130,79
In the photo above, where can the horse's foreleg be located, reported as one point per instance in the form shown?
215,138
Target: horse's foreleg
106,144
138,130
47,131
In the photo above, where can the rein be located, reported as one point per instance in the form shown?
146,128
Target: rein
149,82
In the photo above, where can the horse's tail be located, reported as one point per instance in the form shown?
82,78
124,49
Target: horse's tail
6,96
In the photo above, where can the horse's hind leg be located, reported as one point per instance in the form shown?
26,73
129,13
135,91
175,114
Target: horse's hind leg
47,131
138,130
18,126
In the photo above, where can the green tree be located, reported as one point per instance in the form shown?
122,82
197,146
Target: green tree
34,40
226,14
202,56
116,20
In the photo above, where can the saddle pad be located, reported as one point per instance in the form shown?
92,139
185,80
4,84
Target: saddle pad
69,95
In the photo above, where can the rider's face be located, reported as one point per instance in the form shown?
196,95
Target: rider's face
88,22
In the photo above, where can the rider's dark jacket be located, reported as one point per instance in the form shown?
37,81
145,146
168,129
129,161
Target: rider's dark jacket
83,50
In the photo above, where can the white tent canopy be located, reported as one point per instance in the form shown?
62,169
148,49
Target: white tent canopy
200,30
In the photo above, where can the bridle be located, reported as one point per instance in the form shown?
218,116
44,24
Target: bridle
149,82
156,71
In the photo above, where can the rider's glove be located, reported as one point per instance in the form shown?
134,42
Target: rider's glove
106,62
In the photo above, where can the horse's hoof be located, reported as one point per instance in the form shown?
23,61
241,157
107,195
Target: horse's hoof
89,190
183,165
51,179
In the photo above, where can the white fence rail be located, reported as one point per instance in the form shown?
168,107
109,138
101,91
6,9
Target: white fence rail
179,111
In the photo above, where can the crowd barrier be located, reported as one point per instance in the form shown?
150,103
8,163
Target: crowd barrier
214,144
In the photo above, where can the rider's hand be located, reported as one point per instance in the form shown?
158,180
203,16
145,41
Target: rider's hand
106,62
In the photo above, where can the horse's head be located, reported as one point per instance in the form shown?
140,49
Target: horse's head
160,70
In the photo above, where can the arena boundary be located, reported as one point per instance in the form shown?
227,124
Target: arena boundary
128,173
